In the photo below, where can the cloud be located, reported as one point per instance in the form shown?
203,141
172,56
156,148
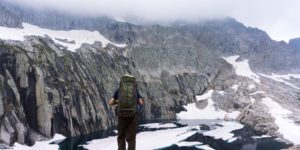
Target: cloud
280,18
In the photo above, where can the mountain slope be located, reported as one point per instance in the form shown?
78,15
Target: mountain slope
46,88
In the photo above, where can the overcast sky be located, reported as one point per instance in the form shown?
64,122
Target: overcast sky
280,18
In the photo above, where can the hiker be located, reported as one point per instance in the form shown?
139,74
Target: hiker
127,99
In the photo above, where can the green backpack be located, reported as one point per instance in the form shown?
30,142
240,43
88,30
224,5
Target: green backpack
127,96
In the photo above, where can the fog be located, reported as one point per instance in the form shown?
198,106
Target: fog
281,19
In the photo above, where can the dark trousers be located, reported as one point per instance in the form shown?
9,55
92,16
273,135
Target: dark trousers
127,128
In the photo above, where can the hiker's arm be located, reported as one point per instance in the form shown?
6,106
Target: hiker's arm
141,101
140,98
114,100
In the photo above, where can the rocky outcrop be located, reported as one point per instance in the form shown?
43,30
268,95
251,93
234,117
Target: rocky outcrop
295,43
257,117
52,90
9,18
13,126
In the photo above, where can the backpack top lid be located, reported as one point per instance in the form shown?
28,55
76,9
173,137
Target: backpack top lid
128,78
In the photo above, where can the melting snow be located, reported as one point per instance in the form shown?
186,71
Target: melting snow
242,68
259,137
235,87
286,77
188,144
282,78
232,139
209,112
159,125
221,92
287,127
257,92
205,147
252,100
251,86
72,39
204,96
145,140
41,145
224,132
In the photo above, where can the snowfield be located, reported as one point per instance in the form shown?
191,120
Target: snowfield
282,78
146,140
224,132
242,68
287,127
209,112
169,137
72,39
41,145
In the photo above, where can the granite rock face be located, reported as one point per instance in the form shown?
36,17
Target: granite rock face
295,43
48,90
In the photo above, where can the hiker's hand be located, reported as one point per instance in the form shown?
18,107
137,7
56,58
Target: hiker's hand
113,102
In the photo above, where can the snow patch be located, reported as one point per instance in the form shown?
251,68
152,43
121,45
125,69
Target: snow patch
209,112
287,127
224,132
159,125
260,137
204,96
251,86
145,140
282,78
286,77
242,68
188,144
72,39
252,100
257,92
235,87
40,145
221,92
205,147
232,140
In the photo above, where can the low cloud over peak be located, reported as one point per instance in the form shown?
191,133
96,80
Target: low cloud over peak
279,18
